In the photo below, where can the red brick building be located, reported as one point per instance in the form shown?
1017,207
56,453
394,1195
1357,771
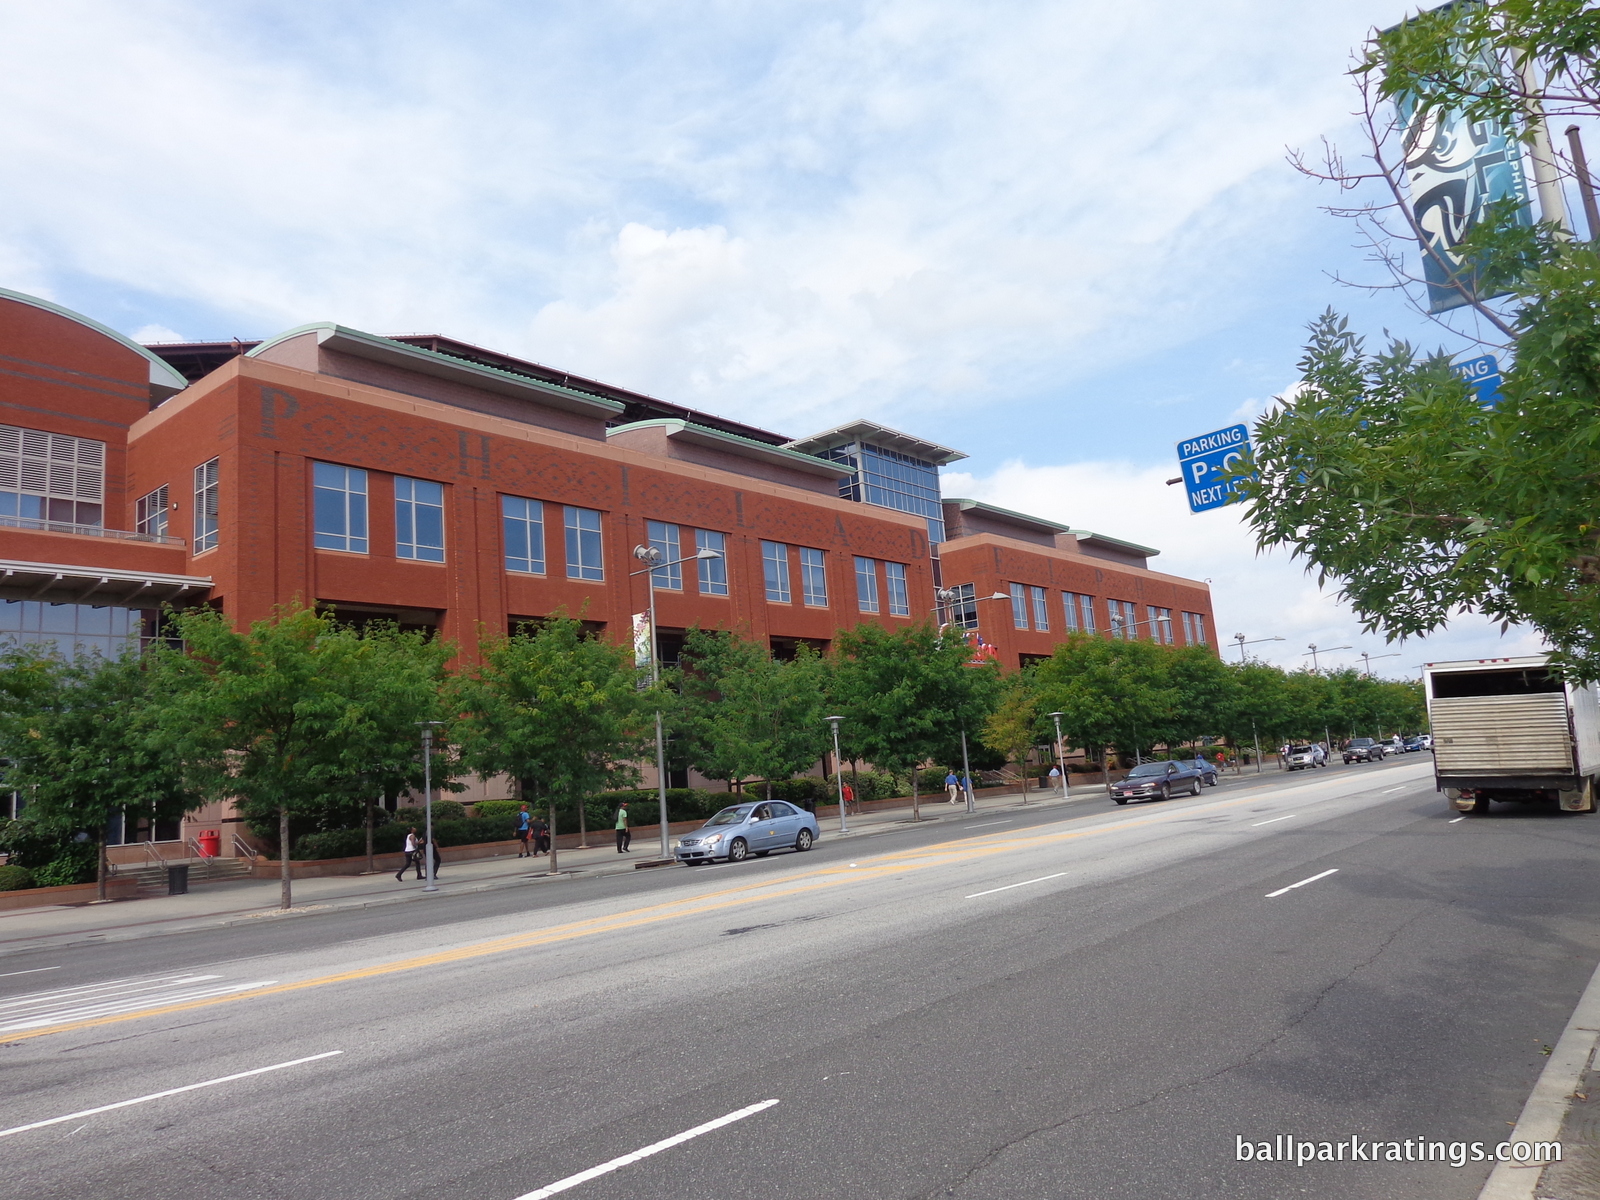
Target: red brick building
460,490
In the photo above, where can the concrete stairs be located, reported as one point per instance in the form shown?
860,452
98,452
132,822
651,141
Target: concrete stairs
153,878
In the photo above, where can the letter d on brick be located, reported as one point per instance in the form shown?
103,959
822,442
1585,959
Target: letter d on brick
275,404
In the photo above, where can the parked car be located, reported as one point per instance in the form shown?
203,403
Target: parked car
1415,744
1158,781
745,829
1363,750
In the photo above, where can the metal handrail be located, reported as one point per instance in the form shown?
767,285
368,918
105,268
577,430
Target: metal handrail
242,845
100,531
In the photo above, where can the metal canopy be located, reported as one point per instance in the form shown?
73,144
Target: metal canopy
58,583
877,435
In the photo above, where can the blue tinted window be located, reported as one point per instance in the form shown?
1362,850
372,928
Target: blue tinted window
418,519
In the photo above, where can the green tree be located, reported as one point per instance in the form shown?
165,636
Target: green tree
746,714
1257,704
87,746
907,694
560,712
1109,692
1383,472
273,717
1014,726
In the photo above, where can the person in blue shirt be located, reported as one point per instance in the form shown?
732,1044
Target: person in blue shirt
952,787
525,831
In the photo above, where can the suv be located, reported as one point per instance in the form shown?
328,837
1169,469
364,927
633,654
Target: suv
1363,750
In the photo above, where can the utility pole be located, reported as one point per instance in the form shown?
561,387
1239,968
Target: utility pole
1580,165
1061,764
838,770
1546,179
427,799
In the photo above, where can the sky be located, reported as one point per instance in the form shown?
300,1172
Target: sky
1058,236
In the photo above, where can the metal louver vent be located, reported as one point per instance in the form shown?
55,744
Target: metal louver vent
55,465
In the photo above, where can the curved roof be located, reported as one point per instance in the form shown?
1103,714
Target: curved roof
164,381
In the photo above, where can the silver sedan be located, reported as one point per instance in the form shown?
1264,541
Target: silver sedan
745,829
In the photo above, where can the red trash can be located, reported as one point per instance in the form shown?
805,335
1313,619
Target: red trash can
210,843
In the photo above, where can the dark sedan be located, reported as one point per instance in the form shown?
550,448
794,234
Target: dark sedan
1159,781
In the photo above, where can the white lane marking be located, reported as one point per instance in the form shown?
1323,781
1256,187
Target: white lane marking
89,1112
104,999
1009,886
676,1139
1007,821
34,971
1259,824
1454,821
1388,791
1302,883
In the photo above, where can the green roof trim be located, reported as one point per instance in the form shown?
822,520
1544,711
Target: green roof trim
163,376
677,427
1010,514
355,341
1084,535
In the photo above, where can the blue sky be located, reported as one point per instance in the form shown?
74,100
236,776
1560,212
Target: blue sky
1059,236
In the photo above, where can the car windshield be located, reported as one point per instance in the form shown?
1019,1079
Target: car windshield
1362,742
731,816
1299,749
1157,768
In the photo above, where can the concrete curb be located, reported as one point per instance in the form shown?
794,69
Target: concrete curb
1546,1109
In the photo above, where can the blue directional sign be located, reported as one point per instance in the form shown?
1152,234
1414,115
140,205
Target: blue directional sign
1204,459
1483,376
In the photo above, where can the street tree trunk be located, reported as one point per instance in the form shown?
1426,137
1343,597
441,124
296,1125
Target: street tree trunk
554,870
916,808
372,863
285,898
101,868
583,827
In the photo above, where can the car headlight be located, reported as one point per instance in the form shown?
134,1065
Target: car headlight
712,840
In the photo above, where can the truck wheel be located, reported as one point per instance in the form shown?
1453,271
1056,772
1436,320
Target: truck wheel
1480,805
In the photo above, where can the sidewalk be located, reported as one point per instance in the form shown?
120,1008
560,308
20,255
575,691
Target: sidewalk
245,901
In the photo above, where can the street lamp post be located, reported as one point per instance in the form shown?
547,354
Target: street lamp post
1366,660
1239,637
945,596
427,799
838,770
966,773
649,554
1313,651
1061,764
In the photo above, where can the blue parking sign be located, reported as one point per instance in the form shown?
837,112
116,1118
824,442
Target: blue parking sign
1203,461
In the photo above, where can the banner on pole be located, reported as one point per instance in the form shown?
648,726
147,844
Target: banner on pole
643,651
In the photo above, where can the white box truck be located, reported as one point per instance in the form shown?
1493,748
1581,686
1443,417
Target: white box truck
1508,729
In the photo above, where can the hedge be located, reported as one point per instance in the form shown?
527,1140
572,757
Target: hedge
443,810
497,808
14,879
386,839
868,785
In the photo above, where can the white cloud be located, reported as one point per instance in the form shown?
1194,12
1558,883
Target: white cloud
1260,595
149,335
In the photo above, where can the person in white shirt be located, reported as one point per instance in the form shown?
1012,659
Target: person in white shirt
413,854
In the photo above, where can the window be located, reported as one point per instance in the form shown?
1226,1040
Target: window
899,598
713,571
206,478
813,577
418,519
72,629
1124,624
867,584
1160,624
1041,613
51,477
522,528
1086,610
1069,605
664,539
963,606
150,515
584,560
1194,629
1019,606
775,569
339,504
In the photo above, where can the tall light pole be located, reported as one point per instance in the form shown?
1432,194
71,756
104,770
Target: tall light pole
945,596
1313,651
651,555
1239,637
1366,660
1061,764
427,798
838,770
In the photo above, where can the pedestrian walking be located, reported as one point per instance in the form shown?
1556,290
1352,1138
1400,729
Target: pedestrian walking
413,858
525,832
541,837
952,787
624,834
436,859
850,799
1055,778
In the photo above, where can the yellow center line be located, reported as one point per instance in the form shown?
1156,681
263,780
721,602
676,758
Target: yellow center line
895,863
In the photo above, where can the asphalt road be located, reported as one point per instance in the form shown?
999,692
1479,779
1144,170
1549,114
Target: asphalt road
1076,1002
